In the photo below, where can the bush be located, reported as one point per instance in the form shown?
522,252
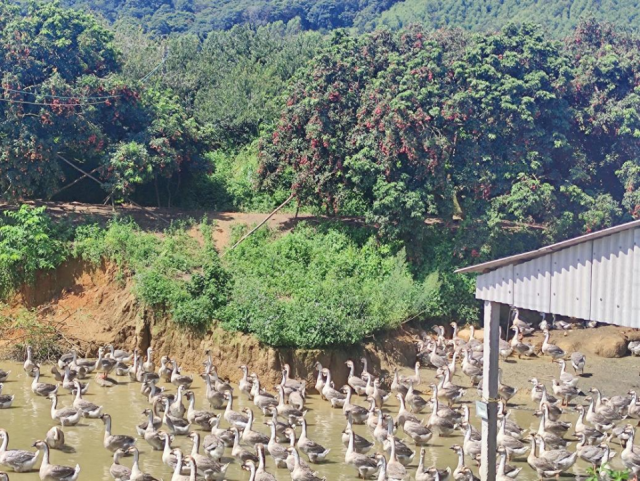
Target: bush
29,242
318,287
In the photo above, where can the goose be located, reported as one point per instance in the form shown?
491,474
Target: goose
245,385
169,456
631,455
214,446
150,415
287,381
53,472
551,433
105,381
565,377
113,442
290,461
216,398
403,414
69,382
234,418
155,438
225,434
218,383
539,392
415,402
136,473
6,400
505,472
117,470
560,324
578,361
360,444
358,414
238,451
77,364
42,388
524,327
591,454
512,446
511,427
314,451
543,466
298,398
560,457
633,410
435,359
278,453
149,366
179,379
89,410
452,366
372,416
505,349
551,350
18,460
204,463
380,396
65,416
521,348
104,364
365,465
592,434
449,391
380,432
461,472
634,347
473,343
249,436
556,427
261,473
475,434
382,467
176,408
420,434
564,391
320,381
600,421
414,379
336,398
55,438
610,411
544,324
395,469
179,469
290,413
201,418
470,368
262,399
4,375
431,474
440,420
555,412
505,392
299,472
404,454
119,354
471,447
29,365
164,371
356,383
177,426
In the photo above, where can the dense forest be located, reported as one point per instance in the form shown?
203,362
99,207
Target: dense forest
501,140
559,18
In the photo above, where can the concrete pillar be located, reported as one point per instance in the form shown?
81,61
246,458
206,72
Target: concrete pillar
490,389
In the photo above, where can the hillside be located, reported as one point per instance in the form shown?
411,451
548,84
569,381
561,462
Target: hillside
197,16
557,17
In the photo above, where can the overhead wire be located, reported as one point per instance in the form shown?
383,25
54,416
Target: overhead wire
86,100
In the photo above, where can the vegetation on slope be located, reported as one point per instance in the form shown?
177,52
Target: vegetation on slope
558,18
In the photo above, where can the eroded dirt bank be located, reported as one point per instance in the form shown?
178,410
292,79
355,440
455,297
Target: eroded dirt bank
93,306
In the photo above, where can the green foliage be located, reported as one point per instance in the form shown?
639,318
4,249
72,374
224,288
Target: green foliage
29,242
173,274
317,287
63,97
559,18
164,17
607,473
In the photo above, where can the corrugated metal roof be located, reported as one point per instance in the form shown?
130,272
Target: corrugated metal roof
518,258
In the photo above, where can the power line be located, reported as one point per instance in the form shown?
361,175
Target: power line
98,99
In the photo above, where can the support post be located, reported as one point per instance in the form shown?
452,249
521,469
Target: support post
490,390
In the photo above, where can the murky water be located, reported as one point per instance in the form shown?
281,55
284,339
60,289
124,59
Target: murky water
29,419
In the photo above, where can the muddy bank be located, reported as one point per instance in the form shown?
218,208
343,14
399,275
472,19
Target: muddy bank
93,306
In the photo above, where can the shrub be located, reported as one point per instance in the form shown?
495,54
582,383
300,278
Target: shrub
319,287
29,242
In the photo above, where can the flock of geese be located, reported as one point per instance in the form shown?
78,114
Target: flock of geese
394,440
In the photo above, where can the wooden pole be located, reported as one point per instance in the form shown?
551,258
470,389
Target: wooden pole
490,390
259,225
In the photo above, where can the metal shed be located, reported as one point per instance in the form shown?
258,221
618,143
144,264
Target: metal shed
593,277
